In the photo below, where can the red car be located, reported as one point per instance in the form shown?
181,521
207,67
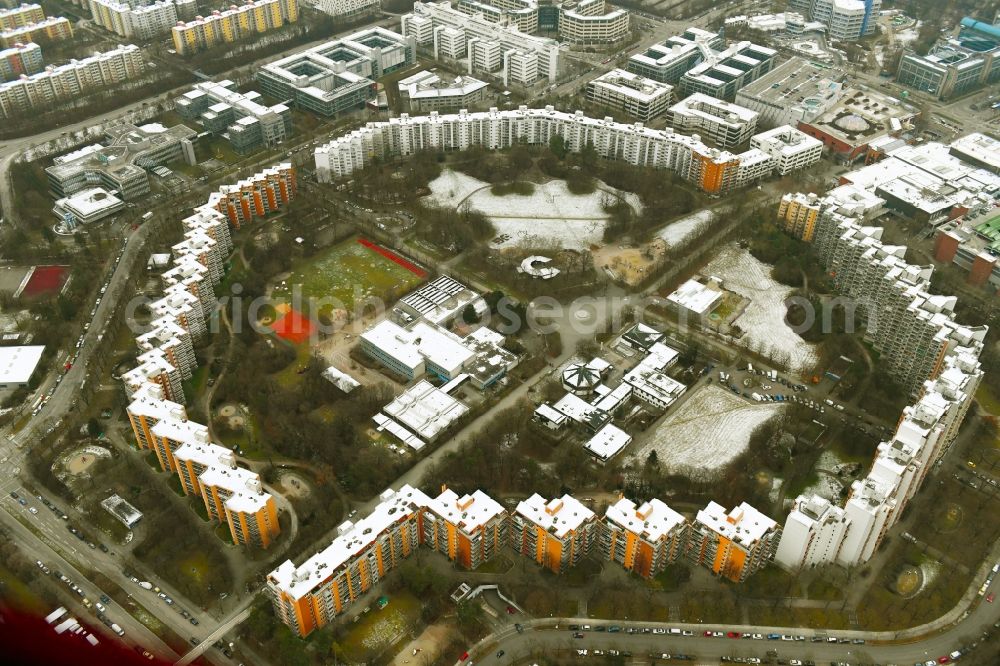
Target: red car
511,610
734,634
944,660
990,597
708,634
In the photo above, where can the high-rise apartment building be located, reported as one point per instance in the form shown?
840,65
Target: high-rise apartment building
556,534
633,95
846,20
77,78
644,539
797,214
256,196
470,529
735,544
19,60
142,20
813,533
52,28
20,16
725,124
236,23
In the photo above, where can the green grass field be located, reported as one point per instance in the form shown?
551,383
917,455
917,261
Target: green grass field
344,275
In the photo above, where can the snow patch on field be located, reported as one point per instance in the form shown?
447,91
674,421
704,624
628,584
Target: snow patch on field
706,433
679,233
550,216
763,320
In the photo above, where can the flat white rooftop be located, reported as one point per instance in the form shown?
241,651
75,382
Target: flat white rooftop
425,409
608,442
17,364
652,521
470,513
743,525
981,148
558,517
696,297
352,540
633,86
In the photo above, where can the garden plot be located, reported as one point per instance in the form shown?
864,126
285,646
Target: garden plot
706,433
680,233
551,216
763,320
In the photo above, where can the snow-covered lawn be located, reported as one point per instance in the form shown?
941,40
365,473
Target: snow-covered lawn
678,233
908,35
763,321
550,216
709,430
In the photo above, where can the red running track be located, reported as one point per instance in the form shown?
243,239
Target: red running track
392,256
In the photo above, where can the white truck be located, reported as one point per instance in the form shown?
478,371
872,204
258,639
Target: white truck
146,585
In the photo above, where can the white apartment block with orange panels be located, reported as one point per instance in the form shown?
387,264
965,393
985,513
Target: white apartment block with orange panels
193,277
257,196
153,367
205,250
148,407
184,307
175,343
171,434
235,495
734,544
644,538
470,529
212,223
555,533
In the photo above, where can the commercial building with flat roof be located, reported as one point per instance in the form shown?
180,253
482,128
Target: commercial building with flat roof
119,163
795,91
239,117
18,364
425,410
723,73
426,91
734,544
607,443
633,95
789,149
644,539
592,22
338,75
859,117
668,61
845,20
955,65
86,207
978,149
723,123
695,298
555,533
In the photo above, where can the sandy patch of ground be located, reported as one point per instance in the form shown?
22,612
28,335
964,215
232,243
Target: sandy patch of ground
429,643
81,460
629,264
294,486
706,433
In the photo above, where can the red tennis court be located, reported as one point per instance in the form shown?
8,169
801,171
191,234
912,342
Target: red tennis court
293,327
45,280
392,256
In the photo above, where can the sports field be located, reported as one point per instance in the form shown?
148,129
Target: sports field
345,275
46,280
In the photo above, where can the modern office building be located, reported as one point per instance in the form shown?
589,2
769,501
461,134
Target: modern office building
77,78
643,539
239,117
813,534
860,117
469,530
339,75
956,65
256,196
556,534
735,544
142,20
633,95
797,214
119,163
426,91
53,28
795,91
789,149
348,10
20,60
238,22
86,207
714,171
592,22
845,20
979,150
723,123
669,61
698,61
487,47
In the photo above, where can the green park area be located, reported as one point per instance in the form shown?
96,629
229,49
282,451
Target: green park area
344,276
